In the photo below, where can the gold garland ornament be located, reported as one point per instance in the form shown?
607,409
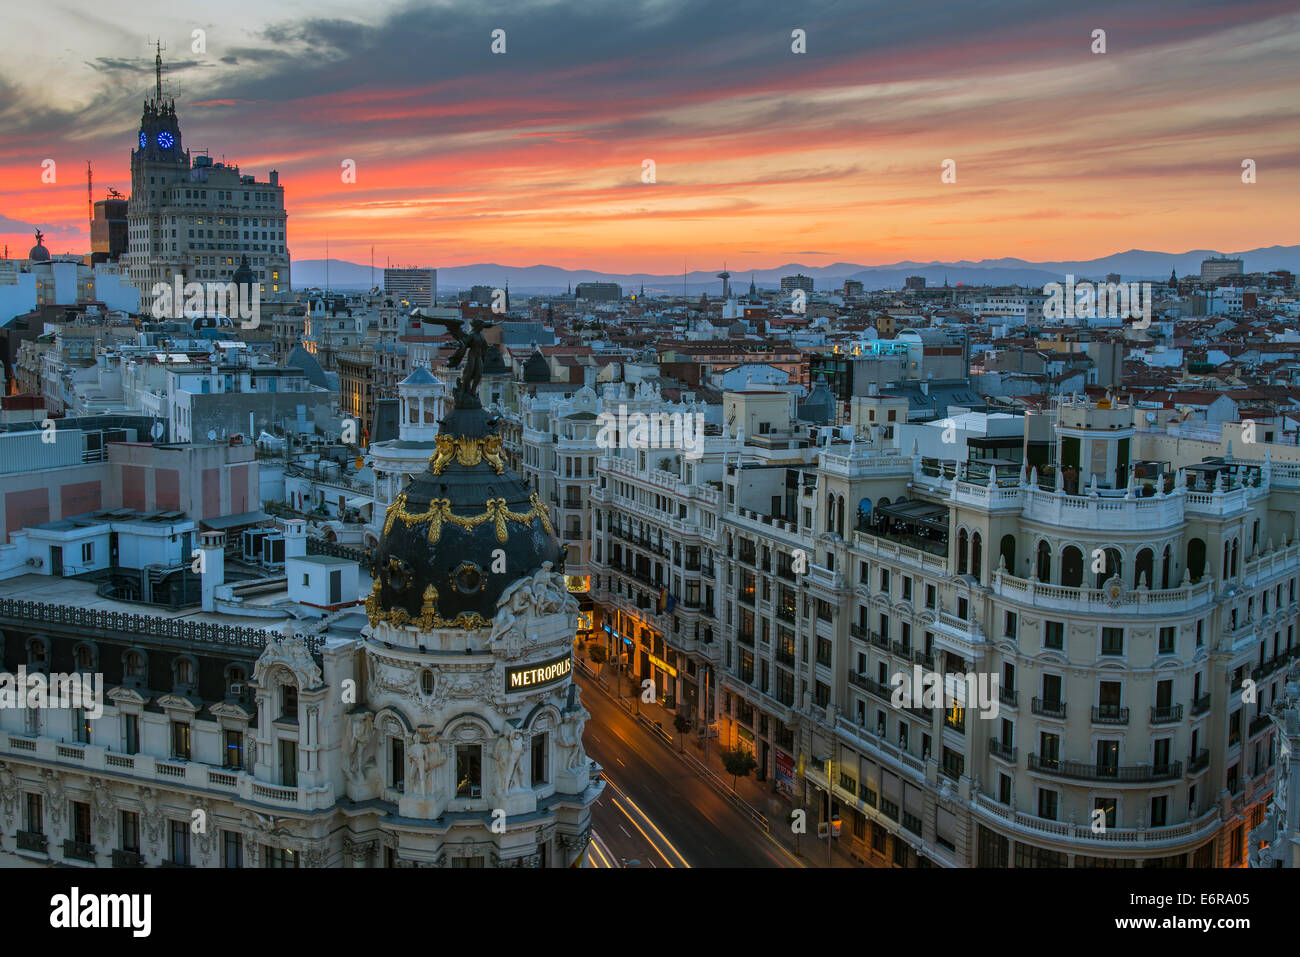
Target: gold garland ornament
468,452
440,511
428,618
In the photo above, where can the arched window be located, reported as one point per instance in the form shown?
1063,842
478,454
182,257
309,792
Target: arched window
1044,571
1071,567
976,554
1236,548
1165,569
1007,550
1111,566
962,542
1142,568
1196,559
830,512
134,665
839,517
864,512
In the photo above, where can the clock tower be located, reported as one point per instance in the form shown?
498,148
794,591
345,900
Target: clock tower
196,219
159,164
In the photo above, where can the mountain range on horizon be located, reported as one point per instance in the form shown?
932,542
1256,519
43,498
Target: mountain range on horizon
1132,265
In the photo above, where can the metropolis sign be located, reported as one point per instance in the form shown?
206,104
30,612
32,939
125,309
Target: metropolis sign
524,677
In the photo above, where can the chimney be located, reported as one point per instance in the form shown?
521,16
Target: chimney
212,566
295,538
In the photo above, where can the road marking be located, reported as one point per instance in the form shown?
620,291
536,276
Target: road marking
595,846
645,817
649,839
621,827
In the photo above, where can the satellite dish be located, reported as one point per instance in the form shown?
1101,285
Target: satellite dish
156,431
212,435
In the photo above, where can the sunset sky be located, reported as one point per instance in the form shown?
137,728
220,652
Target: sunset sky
763,156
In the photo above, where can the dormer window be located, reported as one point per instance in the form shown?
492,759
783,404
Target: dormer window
133,665
290,709
184,672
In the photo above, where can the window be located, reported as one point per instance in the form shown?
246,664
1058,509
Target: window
1054,634
233,756
131,733
130,832
232,849
87,552
81,725
396,764
1159,810
33,816
278,856
80,822
1048,804
1167,638
289,763
539,759
469,770
1108,806
180,842
1112,641
181,740
290,701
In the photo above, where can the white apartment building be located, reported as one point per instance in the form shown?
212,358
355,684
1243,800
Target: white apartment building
1120,624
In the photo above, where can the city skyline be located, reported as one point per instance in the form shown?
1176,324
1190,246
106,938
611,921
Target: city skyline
536,155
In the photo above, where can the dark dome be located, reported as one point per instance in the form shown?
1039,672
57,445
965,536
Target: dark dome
433,564
536,369
39,253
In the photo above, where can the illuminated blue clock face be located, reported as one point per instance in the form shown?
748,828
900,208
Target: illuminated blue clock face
165,140
143,140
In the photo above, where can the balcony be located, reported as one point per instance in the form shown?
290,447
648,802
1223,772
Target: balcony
1109,714
79,851
1201,705
1198,762
870,684
1048,709
902,650
858,631
1000,750
921,658
31,841
127,859
1259,723
879,640
1009,697
1129,774
1168,715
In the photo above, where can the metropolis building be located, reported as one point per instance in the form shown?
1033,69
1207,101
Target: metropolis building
440,728
195,218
